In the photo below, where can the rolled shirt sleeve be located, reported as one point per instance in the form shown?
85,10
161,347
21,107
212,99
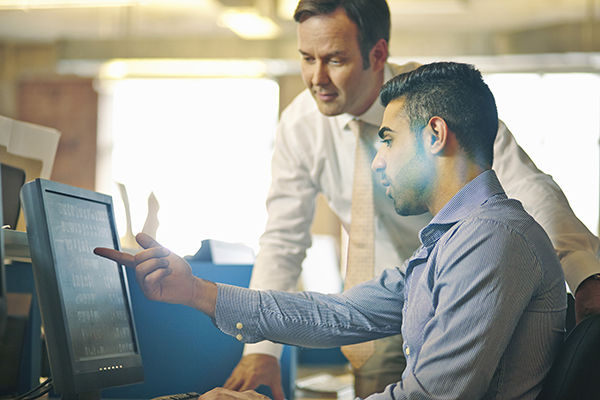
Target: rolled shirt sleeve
311,319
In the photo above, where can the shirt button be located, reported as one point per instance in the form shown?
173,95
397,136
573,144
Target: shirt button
239,325
239,337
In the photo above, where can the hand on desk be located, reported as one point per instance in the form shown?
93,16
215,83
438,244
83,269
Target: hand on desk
254,370
164,276
226,394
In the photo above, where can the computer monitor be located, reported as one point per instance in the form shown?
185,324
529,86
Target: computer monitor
84,299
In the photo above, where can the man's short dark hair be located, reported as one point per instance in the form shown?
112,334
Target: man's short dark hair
455,92
372,18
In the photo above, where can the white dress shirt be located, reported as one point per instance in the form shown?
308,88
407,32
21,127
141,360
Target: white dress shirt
315,154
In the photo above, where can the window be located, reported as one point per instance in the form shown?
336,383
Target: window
203,146
556,120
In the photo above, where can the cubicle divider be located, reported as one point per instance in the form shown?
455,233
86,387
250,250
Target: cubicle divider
19,280
182,350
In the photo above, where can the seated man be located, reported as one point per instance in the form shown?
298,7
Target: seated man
481,304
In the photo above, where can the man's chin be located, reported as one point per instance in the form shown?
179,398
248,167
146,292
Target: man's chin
329,109
408,210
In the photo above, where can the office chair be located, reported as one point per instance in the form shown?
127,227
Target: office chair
575,373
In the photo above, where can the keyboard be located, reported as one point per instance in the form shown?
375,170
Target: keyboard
180,396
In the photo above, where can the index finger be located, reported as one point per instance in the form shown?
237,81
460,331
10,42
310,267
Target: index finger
115,255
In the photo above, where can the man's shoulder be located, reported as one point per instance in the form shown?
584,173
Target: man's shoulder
503,210
506,219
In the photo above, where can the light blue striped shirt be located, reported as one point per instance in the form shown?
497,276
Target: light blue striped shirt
481,305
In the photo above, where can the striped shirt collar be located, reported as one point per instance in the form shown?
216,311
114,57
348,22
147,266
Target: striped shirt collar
469,198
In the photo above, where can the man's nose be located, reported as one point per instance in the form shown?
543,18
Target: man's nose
378,164
320,74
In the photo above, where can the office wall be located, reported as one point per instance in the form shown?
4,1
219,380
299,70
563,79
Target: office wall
18,60
32,91
70,105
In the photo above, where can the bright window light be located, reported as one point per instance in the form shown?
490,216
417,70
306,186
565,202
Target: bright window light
556,119
203,146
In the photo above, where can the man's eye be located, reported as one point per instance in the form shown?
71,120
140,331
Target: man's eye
387,142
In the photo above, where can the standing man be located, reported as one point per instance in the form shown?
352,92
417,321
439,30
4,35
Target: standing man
481,304
344,48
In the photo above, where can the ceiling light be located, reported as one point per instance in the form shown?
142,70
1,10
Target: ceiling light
249,24
286,9
40,4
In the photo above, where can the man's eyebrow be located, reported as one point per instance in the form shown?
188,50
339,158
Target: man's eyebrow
383,130
332,54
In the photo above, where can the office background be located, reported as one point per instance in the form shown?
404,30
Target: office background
73,69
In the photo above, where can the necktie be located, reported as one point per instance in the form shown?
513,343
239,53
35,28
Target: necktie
361,247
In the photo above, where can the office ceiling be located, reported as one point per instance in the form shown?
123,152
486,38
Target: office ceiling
155,19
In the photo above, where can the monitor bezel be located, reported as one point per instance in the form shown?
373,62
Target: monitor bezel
69,375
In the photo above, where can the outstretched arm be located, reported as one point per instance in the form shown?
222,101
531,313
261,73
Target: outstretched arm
164,276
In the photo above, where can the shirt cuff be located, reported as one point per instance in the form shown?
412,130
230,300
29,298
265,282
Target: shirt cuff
236,312
578,266
265,347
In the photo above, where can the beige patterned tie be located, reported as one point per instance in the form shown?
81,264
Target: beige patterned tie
361,248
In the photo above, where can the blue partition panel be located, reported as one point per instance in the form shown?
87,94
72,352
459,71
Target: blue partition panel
19,279
181,349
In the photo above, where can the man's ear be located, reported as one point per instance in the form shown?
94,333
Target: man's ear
378,55
436,136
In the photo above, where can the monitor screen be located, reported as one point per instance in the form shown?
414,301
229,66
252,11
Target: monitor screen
84,299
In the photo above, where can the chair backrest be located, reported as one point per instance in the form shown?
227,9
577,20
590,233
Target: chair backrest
575,373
